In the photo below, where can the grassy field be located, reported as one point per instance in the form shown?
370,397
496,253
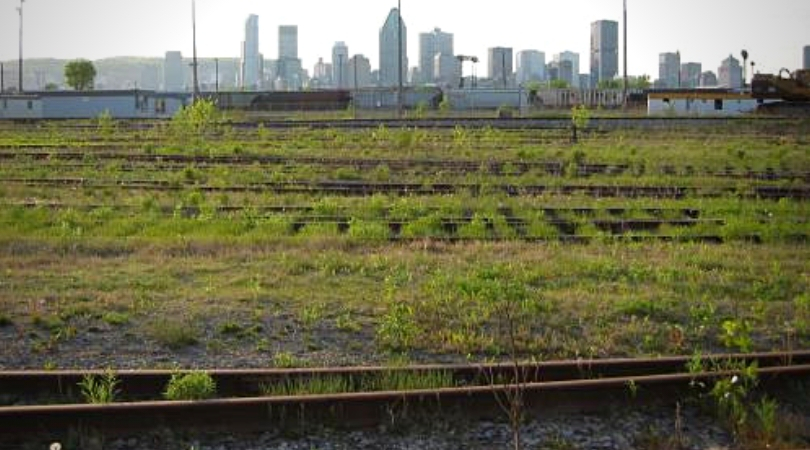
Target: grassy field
185,243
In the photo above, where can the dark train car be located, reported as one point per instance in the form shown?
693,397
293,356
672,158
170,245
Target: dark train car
284,101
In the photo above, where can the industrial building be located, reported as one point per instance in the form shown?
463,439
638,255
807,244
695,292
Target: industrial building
133,104
700,102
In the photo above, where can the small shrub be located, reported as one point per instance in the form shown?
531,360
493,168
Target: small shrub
286,360
100,389
190,386
398,330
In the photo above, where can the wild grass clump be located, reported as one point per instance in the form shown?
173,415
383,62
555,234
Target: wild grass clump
175,334
100,389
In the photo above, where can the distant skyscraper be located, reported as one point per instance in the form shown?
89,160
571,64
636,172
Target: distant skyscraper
340,66
446,69
708,79
359,72
251,66
690,75
730,73
669,70
288,42
431,44
531,66
569,74
806,57
500,66
322,74
173,72
604,51
390,51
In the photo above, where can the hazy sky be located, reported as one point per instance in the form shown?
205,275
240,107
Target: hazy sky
706,31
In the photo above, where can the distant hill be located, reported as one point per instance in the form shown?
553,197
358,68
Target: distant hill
124,72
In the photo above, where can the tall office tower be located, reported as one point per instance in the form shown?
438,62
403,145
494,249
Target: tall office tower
500,66
531,66
359,72
690,75
431,44
604,51
340,66
250,74
446,70
173,72
322,74
730,73
390,50
288,42
573,58
669,70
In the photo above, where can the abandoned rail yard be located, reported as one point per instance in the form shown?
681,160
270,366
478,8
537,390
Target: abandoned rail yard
317,271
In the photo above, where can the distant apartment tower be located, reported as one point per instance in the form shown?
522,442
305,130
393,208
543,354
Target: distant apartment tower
730,73
290,70
669,70
806,64
390,50
251,67
431,44
708,79
340,65
173,72
531,66
568,73
690,75
359,72
500,66
604,51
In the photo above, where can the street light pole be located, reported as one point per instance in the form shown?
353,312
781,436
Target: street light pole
399,52
20,66
624,94
196,92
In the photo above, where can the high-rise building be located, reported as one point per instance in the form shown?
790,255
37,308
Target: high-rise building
669,70
806,64
173,72
431,44
500,66
708,79
322,75
690,75
359,72
604,51
288,42
531,66
390,50
447,70
568,74
251,71
729,75
340,65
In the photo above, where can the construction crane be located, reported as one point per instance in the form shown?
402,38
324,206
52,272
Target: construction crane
461,59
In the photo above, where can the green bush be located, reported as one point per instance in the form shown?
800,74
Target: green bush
190,386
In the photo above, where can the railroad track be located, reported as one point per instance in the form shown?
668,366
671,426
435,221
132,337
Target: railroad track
355,188
506,167
474,391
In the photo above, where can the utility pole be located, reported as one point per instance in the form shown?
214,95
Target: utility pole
2,78
196,92
216,72
624,94
399,52
20,66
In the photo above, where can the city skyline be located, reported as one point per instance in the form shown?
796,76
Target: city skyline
729,27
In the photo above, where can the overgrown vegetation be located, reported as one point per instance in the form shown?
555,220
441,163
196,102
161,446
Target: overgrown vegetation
190,386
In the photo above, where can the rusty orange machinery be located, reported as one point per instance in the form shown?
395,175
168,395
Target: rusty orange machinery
792,87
